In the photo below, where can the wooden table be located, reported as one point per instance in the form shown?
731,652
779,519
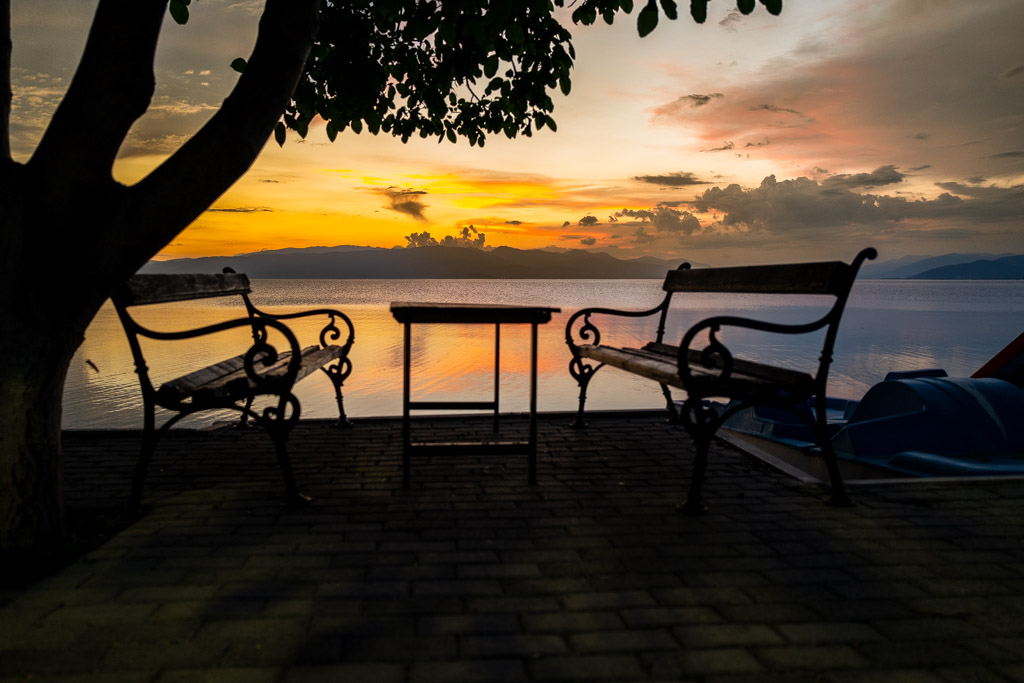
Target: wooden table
493,314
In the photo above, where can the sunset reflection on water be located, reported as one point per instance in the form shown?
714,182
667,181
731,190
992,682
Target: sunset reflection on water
889,325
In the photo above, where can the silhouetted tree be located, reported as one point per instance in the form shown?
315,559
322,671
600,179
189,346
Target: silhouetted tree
70,233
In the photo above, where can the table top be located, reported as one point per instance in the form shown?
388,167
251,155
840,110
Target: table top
405,312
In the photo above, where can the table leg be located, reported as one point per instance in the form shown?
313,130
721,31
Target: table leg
406,427
497,370
533,404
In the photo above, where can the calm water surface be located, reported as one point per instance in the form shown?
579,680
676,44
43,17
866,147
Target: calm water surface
888,325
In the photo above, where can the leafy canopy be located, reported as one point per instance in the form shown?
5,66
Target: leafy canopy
447,68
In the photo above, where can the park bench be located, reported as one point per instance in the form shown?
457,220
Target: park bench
712,371
262,372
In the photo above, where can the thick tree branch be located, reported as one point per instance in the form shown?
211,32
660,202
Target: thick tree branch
185,185
111,89
5,69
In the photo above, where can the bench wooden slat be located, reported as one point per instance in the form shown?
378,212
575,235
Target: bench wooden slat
164,288
828,277
748,378
769,373
228,378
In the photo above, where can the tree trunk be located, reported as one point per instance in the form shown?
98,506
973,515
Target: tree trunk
69,233
33,365
50,296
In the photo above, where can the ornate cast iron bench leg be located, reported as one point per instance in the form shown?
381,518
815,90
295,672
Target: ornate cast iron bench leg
338,373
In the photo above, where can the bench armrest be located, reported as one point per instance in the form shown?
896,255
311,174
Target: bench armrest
260,351
330,332
717,357
588,332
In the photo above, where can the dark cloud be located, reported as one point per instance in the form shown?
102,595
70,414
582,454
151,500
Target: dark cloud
920,136
467,237
513,222
805,206
1014,72
676,179
641,236
698,100
588,220
642,214
420,239
759,144
566,224
407,201
664,218
729,23
883,175
773,108
1007,155
675,221
268,180
724,148
588,241
921,168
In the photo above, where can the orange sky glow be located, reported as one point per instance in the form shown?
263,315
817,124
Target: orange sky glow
838,125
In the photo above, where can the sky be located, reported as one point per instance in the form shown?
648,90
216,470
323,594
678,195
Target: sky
838,125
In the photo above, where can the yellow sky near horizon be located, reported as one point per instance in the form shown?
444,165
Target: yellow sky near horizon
838,125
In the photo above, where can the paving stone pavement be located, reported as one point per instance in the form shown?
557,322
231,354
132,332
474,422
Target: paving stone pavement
473,575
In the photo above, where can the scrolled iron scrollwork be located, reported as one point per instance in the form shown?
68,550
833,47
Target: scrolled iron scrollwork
259,352
339,371
714,357
279,416
587,333
330,332
580,371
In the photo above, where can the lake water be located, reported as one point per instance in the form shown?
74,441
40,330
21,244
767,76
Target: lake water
888,325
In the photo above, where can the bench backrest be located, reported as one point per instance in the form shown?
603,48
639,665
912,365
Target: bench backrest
830,277
833,278
140,290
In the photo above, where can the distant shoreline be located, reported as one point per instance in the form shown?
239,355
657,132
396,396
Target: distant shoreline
507,263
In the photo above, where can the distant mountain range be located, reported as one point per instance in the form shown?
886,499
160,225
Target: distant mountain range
1005,268
422,262
356,262
917,266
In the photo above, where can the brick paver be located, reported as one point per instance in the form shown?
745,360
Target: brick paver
473,575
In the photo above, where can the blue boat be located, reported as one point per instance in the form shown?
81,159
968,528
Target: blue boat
921,423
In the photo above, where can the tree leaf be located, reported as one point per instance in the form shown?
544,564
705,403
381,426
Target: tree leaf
670,9
745,6
773,6
238,64
515,34
647,20
332,132
279,133
699,10
565,85
585,14
179,11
